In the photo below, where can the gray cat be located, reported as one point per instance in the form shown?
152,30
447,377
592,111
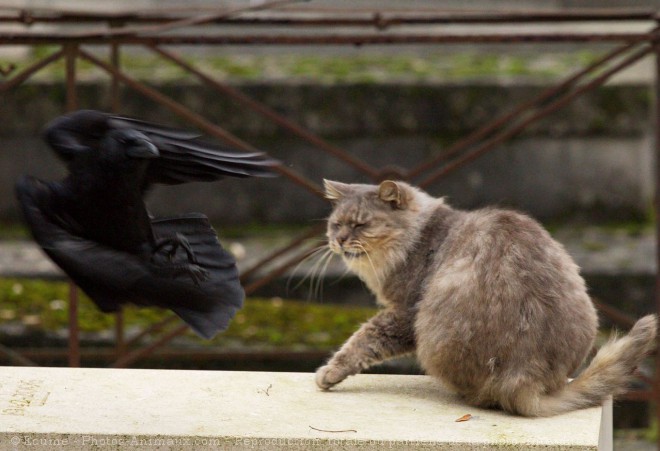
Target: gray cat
491,304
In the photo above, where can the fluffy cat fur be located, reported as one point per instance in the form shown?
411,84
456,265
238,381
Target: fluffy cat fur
491,304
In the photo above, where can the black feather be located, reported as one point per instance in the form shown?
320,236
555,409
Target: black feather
95,226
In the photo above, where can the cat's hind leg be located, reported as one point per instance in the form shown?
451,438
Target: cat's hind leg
386,335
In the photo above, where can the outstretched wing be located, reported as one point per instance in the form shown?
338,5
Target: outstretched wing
112,278
185,157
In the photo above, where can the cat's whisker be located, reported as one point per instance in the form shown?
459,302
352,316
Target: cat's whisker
314,274
321,276
313,269
315,253
371,262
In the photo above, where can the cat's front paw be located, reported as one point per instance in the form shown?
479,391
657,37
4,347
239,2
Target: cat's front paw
329,375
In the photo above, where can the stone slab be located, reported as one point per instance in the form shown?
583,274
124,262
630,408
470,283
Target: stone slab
75,409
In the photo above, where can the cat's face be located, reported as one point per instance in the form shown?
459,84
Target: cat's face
367,220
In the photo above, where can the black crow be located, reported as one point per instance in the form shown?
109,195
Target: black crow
95,226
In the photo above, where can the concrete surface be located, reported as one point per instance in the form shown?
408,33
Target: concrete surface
46,408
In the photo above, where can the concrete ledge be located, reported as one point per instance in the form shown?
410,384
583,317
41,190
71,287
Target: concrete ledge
75,409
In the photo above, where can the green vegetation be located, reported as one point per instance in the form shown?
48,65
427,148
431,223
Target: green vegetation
13,230
329,68
273,322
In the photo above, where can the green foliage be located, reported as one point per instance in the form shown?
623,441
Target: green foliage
359,67
262,322
13,230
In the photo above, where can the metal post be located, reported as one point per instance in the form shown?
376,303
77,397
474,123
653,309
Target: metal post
114,84
656,116
74,336
120,343
115,105
70,52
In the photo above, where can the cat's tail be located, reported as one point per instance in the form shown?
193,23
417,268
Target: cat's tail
609,373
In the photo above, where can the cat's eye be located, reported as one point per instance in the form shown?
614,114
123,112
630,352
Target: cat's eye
358,225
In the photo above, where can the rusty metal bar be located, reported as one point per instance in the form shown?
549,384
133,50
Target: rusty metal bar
643,377
281,269
70,53
107,354
639,395
154,328
74,332
548,109
656,385
616,315
384,17
29,71
29,38
16,357
504,119
270,114
588,14
115,105
137,354
329,16
285,249
120,342
115,61
199,121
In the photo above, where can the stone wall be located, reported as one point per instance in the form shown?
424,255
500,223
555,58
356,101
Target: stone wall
593,158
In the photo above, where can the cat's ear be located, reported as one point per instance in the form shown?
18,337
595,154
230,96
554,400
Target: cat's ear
334,190
394,193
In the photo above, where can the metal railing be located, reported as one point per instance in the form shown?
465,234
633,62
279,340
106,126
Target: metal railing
281,23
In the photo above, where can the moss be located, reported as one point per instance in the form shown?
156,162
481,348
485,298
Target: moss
358,67
43,51
264,322
594,246
12,231
651,434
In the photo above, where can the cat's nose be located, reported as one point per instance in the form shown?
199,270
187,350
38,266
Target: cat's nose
341,239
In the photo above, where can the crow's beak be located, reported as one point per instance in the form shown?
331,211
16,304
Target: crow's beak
142,148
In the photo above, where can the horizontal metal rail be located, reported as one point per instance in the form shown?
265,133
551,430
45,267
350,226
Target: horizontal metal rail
28,38
299,15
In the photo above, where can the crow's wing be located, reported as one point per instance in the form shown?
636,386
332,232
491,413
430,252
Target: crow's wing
184,157
112,278
216,300
149,127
